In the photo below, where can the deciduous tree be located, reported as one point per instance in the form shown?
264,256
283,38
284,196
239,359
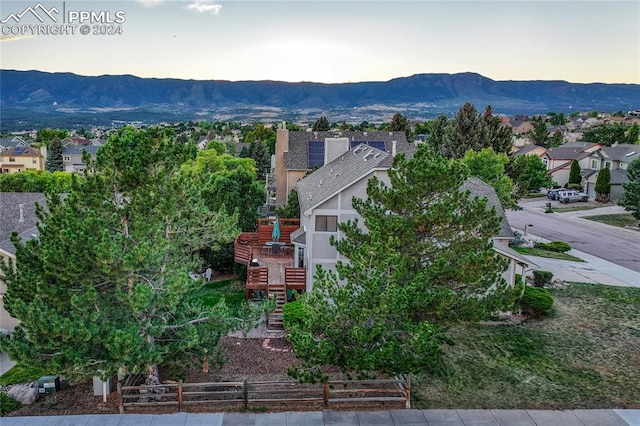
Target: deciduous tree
490,168
529,173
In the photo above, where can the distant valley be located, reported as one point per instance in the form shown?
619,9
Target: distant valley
34,99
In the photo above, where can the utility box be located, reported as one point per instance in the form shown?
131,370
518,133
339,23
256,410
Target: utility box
99,387
48,384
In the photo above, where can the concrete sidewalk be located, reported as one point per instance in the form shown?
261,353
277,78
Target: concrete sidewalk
348,418
594,270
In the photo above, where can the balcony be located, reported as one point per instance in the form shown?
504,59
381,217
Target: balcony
270,269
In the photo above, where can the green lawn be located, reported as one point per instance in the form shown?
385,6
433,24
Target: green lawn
621,220
574,208
546,253
23,373
232,290
586,355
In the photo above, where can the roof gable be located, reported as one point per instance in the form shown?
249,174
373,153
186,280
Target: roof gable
339,174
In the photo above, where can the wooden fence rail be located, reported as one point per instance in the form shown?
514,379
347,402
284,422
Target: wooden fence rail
246,394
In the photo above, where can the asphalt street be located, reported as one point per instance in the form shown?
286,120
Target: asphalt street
617,245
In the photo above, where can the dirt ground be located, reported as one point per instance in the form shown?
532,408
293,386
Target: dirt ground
253,358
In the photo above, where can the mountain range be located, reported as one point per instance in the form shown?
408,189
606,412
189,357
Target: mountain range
29,99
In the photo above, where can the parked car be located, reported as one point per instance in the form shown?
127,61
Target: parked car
553,193
571,196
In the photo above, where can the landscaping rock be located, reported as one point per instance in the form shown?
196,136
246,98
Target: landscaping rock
24,394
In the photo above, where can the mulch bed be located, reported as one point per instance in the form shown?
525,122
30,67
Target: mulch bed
245,358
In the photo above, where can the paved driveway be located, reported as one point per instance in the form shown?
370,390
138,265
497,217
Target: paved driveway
617,245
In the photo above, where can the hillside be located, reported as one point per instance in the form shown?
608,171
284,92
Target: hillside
28,97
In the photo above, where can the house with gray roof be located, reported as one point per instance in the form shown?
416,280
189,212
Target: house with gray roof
298,152
326,195
616,159
12,142
72,157
559,159
17,214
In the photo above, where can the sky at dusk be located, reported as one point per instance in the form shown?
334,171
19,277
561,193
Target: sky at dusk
328,41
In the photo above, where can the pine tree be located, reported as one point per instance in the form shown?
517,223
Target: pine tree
540,135
292,208
631,196
106,286
54,157
603,188
400,123
574,175
466,131
498,137
424,260
321,125
261,157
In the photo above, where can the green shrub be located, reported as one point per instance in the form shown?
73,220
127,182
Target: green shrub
293,313
542,278
536,301
557,246
7,404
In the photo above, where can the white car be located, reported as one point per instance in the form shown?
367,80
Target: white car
571,196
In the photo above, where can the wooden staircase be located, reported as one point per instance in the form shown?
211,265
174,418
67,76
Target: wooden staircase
279,293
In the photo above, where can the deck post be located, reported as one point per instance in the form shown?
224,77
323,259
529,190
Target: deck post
180,395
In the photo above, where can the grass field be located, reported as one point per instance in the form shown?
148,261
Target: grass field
586,355
621,220
546,253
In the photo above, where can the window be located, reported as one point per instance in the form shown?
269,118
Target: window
327,223
545,160
594,164
607,165
12,160
66,158
34,160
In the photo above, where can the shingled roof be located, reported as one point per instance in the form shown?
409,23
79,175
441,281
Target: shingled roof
340,173
624,152
297,158
478,188
12,220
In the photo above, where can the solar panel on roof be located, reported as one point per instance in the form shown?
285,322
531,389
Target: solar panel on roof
18,150
377,145
373,144
316,154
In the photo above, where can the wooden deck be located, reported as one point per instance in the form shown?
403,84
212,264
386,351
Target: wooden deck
270,269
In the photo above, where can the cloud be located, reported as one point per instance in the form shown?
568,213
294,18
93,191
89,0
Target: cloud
150,3
204,6
15,37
